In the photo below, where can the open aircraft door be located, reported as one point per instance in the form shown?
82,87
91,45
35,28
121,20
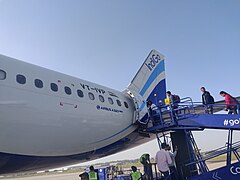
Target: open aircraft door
141,112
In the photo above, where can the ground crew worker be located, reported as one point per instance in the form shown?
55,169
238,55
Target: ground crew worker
93,175
84,176
147,166
136,175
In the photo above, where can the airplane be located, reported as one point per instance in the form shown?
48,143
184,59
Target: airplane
49,119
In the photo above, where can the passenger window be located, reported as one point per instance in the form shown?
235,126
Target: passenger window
119,102
110,100
80,93
68,90
38,83
101,98
2,75
91,96
126,104
54,87
21,79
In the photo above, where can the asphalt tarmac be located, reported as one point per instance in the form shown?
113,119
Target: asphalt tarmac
71,176
75,176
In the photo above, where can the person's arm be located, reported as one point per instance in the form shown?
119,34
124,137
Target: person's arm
148,160
171,99
140,176
228,101
175,152
203,99
169,159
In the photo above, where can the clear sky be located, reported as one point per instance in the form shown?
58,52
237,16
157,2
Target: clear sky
107,41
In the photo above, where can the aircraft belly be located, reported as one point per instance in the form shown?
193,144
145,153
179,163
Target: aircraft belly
30,131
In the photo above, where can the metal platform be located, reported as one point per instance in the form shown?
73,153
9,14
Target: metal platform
185,117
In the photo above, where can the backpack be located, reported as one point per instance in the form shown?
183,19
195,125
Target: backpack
143,159
176,98
236,100
211,100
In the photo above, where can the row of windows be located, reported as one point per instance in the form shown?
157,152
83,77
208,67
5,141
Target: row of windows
21,79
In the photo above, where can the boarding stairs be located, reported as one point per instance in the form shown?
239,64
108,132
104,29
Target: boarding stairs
192,116
188,116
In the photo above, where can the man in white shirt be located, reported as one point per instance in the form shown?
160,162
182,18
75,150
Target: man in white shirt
163,160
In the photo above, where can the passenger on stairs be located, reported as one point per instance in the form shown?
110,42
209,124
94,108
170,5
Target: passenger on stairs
153,110
173,100
207,100
231,103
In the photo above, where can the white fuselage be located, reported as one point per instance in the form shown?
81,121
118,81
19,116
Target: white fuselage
36,120
49,119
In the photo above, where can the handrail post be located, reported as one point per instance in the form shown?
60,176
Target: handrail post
229,147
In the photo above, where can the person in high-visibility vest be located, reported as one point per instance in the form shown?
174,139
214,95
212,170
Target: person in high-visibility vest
147,166
136,175
93,175
166,101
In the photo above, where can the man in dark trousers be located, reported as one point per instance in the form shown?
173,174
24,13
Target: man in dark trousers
207,100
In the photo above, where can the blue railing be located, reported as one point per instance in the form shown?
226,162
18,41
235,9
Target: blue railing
168,115
190,115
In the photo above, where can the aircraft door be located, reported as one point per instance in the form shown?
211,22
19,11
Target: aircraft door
141,112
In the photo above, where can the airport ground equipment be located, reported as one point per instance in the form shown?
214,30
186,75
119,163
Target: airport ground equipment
178,123
112,172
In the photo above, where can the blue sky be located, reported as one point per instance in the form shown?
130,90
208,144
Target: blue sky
107,41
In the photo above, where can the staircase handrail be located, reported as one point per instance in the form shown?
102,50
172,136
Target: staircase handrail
217,152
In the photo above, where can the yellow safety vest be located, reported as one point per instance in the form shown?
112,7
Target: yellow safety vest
136,175
167,101
92,175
